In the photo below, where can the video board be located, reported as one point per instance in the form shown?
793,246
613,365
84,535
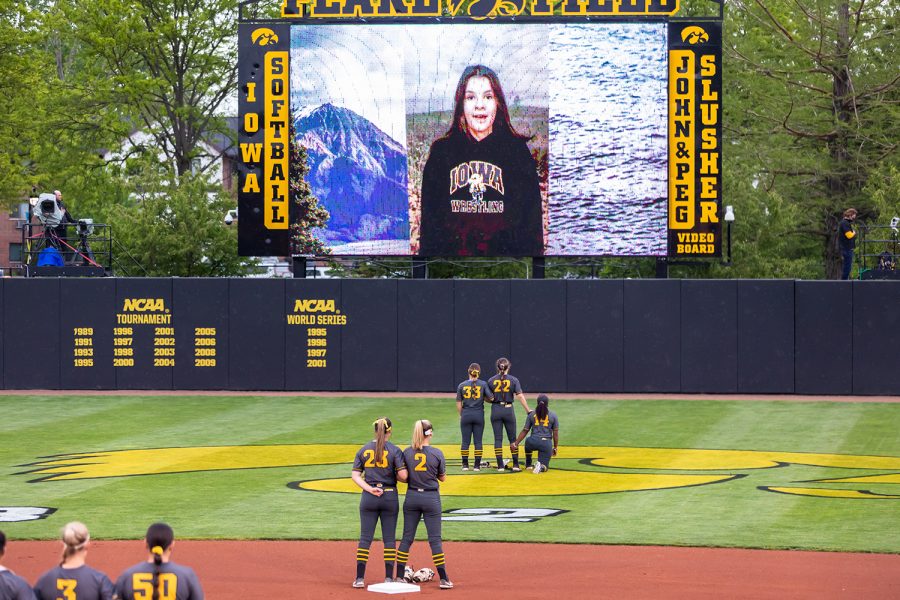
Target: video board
533,137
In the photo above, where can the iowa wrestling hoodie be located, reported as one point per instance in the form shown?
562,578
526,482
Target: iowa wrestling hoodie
480,198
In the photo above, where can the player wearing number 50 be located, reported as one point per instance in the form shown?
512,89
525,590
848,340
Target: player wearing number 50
470,397
159,578
505,388
377,468
427,468
544,427
73,579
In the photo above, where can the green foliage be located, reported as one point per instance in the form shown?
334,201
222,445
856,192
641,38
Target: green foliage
173,227
307,214
810,97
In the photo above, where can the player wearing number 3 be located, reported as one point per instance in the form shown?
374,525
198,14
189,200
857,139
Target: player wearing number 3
159,578
376,469
73,579
427,468
470,397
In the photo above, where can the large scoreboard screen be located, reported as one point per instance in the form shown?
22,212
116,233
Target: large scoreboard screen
543,137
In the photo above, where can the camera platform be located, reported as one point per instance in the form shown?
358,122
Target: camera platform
67,271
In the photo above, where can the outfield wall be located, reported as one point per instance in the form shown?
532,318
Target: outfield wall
692,336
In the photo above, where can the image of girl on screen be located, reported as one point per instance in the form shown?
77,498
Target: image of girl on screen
480,188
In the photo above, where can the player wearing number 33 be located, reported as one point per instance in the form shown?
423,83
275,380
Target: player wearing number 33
427,468
159,577
376,469
470,397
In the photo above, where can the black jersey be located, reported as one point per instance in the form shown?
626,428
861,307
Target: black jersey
381,469
481,198
505,388
542,427
472,394
175,581
13,587
82,583
424,466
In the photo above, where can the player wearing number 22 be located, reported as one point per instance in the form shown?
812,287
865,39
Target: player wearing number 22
427,468
505,388
377,468
470,397
73,579
159,577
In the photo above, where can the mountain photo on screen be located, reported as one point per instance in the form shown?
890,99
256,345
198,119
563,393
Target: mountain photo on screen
348,107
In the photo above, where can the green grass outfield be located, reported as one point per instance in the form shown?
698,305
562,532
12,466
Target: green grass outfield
793,447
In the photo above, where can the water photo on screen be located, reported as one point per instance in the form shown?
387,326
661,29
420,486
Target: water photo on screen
608,132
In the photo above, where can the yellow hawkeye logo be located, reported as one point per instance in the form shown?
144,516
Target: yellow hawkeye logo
576,470
694,35
264,36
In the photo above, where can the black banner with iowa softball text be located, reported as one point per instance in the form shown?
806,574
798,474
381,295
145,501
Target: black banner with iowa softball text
264,108
695,135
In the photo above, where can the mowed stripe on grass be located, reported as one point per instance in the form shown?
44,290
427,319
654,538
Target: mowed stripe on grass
264,503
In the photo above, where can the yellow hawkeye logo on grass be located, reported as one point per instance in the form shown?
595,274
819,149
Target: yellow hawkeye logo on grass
576,470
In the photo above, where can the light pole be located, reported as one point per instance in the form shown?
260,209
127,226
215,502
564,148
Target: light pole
729,219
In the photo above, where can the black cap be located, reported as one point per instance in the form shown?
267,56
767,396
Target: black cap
543,399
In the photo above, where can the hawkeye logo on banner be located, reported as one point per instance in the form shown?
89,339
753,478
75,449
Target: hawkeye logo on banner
264,107
695,134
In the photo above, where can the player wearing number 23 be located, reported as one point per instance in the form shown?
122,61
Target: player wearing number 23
377,468
427,468
73,579
470,397
159,574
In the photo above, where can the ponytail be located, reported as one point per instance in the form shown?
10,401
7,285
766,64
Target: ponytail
75,536
382,428
421,431
541,411
159,538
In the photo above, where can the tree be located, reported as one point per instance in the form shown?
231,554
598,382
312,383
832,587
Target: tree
306,214
174,227
811,110
163,66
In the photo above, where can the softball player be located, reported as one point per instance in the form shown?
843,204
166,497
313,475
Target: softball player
73,579
159,578
427,467
470,397
12,587
505,387
544,426
376,469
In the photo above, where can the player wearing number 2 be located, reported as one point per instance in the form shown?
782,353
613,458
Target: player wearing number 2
505,388
376,469
470,397
73,579
427,468
159,578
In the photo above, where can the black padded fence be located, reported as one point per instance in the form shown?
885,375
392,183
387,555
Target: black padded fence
631,336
